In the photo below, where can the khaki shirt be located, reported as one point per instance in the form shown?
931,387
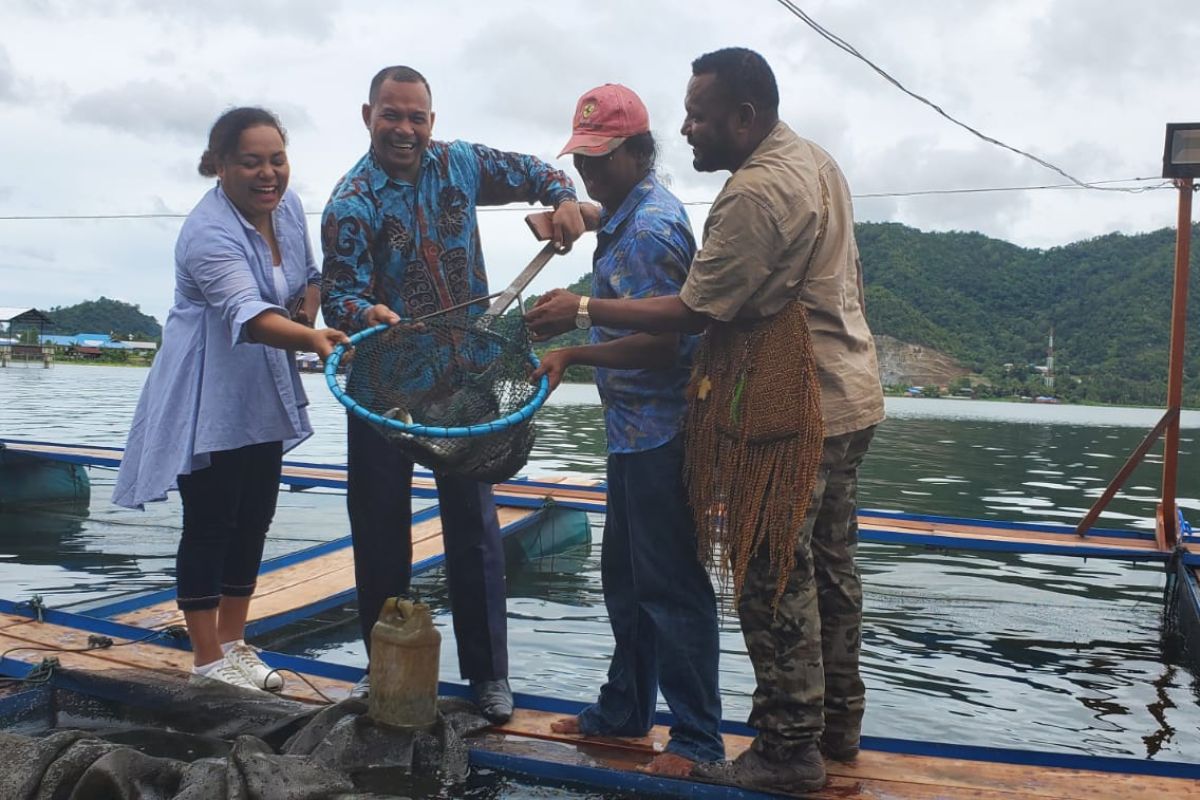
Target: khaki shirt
783,227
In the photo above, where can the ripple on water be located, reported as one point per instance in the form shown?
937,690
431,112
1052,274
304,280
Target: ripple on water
991,649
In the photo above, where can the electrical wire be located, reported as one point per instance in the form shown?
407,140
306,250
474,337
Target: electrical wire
280,670
97,642
845,46
1160,184
841,44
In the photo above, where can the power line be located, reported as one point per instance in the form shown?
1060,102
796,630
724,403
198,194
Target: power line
1160,184
845,46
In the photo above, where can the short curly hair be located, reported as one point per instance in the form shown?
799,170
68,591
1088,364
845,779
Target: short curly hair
744,75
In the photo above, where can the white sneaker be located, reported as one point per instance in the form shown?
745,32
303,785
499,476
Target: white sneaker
258,674
224,672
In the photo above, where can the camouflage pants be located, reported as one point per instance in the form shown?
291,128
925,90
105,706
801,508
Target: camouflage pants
805,652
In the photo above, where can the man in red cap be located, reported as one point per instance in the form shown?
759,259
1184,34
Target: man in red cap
785,404
659,598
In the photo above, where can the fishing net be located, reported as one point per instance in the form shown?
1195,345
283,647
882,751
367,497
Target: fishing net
137,735
452,391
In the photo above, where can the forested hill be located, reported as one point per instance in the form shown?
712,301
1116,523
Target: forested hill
120,319
989,303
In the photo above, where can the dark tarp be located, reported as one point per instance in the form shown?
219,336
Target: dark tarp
140,736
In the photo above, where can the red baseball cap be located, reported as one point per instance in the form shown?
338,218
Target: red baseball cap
604,118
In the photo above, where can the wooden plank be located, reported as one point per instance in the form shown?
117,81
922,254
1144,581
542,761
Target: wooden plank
1009,534
838,787
875,775
145,655
879,774
298,585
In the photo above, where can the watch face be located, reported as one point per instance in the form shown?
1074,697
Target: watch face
583,321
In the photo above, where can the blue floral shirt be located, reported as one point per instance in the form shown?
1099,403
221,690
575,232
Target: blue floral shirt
643,249
415,248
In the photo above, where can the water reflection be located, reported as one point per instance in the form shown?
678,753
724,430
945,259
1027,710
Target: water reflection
995,649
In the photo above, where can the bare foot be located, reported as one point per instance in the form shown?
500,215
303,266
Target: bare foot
669,765
566,725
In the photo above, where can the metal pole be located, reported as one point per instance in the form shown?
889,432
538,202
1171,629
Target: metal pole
1116,483
1167,533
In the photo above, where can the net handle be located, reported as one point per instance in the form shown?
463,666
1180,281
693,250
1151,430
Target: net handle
433,431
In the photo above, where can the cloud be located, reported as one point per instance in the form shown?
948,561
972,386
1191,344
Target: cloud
1107,46
149,108
11,254
8,77
923,163
315,20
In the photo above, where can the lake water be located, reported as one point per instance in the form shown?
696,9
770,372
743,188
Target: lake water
1023,651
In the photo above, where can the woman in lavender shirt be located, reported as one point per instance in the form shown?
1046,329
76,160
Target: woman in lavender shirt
224,401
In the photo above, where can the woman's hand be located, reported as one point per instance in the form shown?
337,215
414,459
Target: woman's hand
323,341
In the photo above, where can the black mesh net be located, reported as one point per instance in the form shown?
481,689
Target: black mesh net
137,735
454,370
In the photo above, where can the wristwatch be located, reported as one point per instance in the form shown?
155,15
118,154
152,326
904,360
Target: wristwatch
583,320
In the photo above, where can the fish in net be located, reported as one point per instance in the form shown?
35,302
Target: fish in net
450,390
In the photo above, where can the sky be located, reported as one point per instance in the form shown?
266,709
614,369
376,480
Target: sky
105,108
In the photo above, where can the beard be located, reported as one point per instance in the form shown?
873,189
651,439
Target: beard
713,157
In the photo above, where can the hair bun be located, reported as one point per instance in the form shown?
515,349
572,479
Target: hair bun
208,164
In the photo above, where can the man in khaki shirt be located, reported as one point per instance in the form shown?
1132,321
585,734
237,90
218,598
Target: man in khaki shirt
781,229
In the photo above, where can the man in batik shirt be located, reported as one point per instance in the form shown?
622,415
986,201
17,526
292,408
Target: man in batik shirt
659,598
401,240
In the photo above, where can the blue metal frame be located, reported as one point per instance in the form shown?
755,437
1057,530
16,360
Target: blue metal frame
461,432
86,624
1072,545
23,701
267,624
162,595
1164,769
585,777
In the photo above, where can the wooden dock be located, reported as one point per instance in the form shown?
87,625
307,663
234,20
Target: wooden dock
887,768
300,585
948,533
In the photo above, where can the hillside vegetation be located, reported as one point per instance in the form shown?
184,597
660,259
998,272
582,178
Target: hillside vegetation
986,303
990,304
122,320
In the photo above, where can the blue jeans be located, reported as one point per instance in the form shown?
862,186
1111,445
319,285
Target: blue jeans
661,607
379,499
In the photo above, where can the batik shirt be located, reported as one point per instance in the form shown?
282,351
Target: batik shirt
643,249
415,248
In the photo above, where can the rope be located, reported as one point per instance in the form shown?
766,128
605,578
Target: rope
98,642
41,674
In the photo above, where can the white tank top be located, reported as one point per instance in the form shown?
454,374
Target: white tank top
281,285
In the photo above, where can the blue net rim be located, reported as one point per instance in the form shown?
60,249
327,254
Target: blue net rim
516,418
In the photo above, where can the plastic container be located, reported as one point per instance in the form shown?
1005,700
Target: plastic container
404,665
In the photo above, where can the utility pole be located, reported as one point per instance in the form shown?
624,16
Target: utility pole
1050,360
